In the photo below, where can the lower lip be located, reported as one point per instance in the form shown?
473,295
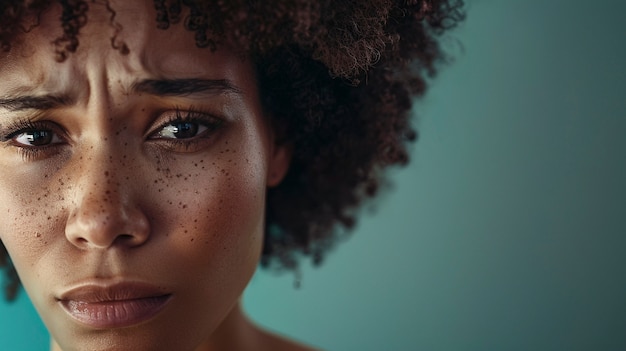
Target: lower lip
115,314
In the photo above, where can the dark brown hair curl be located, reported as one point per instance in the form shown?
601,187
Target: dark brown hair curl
337,78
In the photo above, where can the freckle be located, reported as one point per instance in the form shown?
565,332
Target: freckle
191,239
38,235
106,173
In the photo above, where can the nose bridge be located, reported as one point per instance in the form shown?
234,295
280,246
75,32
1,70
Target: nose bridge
105,210
101,190
99,177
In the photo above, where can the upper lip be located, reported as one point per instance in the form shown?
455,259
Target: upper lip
98,292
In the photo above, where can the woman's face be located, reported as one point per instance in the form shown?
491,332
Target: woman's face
132,187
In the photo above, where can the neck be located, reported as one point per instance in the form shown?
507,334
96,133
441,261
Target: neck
235,333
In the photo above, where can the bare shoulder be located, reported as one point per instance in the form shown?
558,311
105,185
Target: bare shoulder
276,342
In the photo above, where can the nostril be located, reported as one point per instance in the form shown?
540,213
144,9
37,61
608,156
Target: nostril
125,238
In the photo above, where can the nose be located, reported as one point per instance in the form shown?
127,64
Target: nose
105,211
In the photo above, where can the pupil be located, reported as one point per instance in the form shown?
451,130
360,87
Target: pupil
185,130
40,137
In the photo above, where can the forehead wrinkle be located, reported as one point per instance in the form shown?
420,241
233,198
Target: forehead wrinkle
54,81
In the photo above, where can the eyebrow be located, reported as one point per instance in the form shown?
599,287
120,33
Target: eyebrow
183,87
159,87
43,102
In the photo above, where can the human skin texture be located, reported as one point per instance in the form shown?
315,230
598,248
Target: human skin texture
115,189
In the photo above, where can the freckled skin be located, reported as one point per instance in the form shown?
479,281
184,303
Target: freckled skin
110,204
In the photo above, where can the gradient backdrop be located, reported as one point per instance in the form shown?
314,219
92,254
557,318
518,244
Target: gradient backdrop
507,232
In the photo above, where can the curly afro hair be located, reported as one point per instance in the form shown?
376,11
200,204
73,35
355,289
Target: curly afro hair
337,78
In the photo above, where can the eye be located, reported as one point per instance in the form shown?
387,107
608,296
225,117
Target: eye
183,126
186,130
181,130
36,137
34,140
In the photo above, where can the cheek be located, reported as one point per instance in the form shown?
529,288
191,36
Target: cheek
31,213
211,210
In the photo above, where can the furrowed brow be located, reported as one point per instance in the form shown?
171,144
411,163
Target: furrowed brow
43,102
183,87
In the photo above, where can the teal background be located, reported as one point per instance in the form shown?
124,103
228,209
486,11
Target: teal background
507,231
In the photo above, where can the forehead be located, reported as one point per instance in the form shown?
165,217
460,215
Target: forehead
153,52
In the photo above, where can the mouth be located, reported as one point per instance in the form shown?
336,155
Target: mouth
113,306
